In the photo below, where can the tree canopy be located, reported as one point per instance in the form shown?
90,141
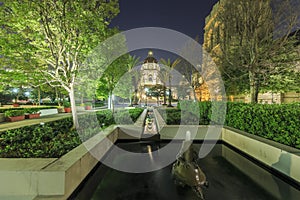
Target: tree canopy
53,37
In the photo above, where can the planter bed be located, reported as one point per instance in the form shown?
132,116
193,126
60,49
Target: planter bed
16,118
32,116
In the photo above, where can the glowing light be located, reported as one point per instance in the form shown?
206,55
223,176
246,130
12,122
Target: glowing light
150,152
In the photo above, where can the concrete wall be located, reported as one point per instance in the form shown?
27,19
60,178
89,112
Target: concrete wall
261,177
279,157
27,178
2,118
169,132
290,97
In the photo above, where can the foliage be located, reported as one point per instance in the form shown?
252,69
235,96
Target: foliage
127,116
110,78
124,116
87,103
53,139
251,42
56,138
168,67
278,122
66,104
171,116
105,117
53,37
32,110
14,113
2,110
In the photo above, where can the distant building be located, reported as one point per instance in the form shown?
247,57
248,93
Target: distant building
150,72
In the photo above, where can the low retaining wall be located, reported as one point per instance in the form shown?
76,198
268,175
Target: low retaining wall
45,112
2,118
280,157
258,175
169,132
56,178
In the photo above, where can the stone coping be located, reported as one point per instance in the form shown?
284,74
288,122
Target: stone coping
267,141
50,111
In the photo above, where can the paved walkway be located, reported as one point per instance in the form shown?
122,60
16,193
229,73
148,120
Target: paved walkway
27,122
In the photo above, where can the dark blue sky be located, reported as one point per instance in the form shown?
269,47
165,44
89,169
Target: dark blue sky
187,16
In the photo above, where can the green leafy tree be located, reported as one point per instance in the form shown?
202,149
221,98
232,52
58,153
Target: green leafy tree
169,67
132,62
110,78
251,40
57,35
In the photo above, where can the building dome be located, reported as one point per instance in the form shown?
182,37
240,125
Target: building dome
150,58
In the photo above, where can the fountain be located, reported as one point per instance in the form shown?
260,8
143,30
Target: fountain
186,171
150,131
231,174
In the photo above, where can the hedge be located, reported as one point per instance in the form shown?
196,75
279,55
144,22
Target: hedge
56,138
3,110
278,122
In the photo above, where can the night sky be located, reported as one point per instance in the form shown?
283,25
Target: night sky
187,17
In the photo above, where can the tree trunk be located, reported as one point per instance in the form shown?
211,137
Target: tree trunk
170,93
39,95
254,87
170,98
135,96
165,97
110,102
73,107
56,96
130,100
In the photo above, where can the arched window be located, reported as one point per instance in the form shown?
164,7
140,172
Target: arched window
150,79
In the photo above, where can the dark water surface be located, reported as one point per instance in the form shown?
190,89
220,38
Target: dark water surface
230,175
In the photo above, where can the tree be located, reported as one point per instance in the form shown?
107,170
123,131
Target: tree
131,63
110,78
163,76
59,34
156,91
247,41
169,67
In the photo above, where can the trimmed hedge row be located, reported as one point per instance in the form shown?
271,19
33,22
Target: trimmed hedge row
278,122
56,138
53,139
2,110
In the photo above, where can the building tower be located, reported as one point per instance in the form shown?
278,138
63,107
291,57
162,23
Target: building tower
150,73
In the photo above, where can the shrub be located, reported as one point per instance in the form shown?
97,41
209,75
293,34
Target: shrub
277,122
105,117
14,113
32,110
56,138
3,110
53,139
66,104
